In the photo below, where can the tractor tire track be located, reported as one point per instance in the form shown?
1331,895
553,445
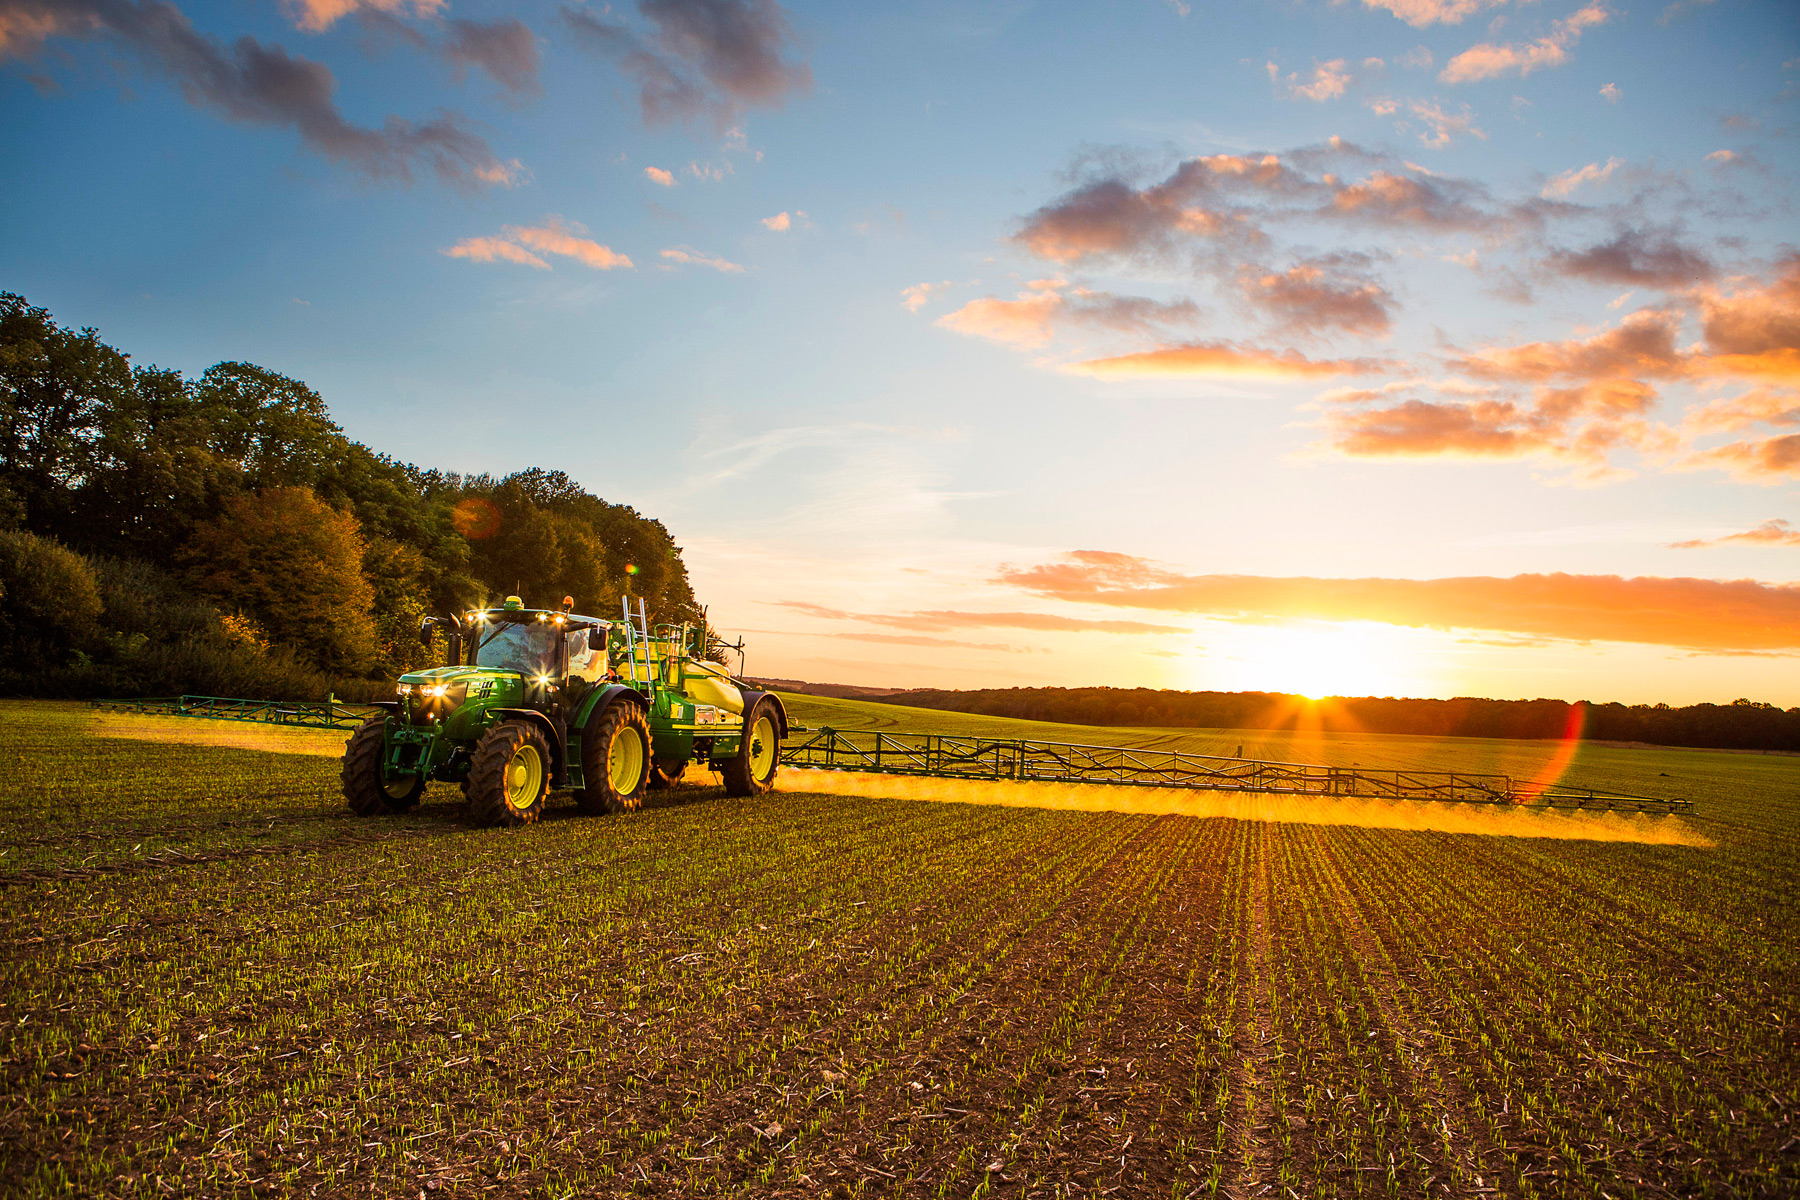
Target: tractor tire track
1253,1085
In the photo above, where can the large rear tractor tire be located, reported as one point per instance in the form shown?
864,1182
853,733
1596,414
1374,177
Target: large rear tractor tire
751,771
366,791
615,760
509,776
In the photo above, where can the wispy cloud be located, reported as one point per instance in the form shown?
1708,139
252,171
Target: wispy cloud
779,223
1222,360
1698,614
659,176
1490,61
1770,533
1420,13
943,619
689,256
554,236
1564,184
316,16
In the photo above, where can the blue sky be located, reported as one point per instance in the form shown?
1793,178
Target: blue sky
1384,348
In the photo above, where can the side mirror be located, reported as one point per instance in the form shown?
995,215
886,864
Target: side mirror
425,632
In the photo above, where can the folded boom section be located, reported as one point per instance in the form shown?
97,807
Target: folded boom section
945,757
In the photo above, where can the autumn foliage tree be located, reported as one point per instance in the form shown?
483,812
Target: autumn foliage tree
294,564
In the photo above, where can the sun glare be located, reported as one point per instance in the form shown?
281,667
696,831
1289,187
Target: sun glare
1321,658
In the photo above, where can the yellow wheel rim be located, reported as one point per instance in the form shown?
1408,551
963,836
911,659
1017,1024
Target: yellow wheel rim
524,777
400,788
625,761
763,748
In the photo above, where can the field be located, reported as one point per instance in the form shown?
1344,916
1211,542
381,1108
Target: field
217,983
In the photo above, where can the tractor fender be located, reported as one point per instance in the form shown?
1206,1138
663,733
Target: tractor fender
603,698
545,726
751,696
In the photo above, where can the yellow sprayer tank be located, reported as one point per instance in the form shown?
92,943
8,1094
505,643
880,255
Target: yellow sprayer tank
710,683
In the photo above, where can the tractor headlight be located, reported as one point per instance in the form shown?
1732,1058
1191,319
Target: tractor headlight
404,689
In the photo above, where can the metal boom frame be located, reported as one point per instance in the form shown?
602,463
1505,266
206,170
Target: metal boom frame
945,757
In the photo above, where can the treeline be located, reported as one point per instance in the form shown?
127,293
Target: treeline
221,534
1740,725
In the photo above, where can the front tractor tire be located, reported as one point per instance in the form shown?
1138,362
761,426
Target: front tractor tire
751,771
509,775
615,760
366,791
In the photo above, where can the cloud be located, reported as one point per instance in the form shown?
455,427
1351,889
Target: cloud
1755,330
1221,360
1028,321
1442,127
779,223
316,16
1305,297
1431,203
1420,13
554,236
942,619
919,294
659,176
1644,258
1489,61
1762,460
702,59
1611,92
1642,345
693,257
1777,406
259,84
1770,533
1707,615
1327,83
1562,185
493,249
506,50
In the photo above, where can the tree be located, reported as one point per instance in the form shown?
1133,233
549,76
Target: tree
52,602
55,386
294,564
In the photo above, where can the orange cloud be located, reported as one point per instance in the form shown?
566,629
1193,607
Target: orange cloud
779,223
1416,428
1028,321
943,619
1708,615
1777,406
493,249
316,16
1022,322
1756,330
1488,61
1643,344
659,176
555,236
1770,533
1758,460
1420,13
1222,360
1327,83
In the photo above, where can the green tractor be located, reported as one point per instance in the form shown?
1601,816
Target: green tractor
535,699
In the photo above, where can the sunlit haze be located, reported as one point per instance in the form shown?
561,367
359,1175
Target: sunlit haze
1377,347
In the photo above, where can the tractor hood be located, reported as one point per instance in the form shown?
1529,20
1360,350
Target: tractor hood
456,697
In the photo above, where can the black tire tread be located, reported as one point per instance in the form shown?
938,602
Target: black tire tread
361,773
739,780
487,774
598,795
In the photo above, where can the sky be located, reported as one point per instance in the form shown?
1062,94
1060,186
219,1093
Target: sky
1376,347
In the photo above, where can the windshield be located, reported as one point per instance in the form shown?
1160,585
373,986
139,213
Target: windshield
529,649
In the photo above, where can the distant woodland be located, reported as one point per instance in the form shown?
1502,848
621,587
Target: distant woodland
220,534
1740,725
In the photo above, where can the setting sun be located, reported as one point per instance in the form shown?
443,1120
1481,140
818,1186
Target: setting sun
1319,658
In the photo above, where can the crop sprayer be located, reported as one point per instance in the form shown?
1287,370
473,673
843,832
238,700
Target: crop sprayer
532,700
